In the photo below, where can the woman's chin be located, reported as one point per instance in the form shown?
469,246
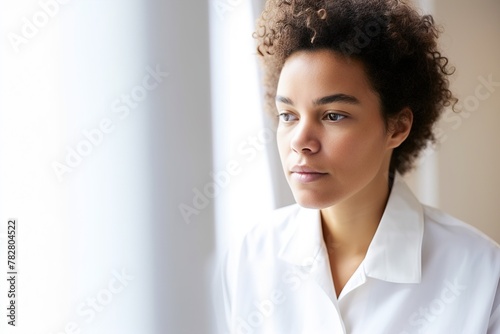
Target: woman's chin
310,202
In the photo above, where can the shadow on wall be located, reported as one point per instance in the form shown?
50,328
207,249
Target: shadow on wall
181,152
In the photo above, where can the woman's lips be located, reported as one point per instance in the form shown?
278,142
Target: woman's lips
307,177
304,174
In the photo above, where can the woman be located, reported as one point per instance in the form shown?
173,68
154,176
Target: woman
356,87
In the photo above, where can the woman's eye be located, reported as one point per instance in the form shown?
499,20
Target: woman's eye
334,117
286,117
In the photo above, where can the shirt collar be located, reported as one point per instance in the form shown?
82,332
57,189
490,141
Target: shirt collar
395,252
394,255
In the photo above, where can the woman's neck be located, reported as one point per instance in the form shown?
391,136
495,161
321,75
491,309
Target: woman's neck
349,227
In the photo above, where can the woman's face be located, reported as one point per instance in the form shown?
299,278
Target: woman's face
332,140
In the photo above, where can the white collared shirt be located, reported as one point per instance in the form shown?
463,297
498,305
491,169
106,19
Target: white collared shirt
424,272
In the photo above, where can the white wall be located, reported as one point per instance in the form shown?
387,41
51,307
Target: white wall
464,172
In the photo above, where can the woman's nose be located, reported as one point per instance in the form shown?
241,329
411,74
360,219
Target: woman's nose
305,138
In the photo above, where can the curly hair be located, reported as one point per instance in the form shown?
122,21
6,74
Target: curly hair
396,44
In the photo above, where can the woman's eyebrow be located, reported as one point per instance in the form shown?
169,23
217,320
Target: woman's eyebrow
336,98
323,100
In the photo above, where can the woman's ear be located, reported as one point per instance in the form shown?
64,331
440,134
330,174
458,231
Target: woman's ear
399,127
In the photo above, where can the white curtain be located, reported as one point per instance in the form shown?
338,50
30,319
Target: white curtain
78,178
107,142
242,136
